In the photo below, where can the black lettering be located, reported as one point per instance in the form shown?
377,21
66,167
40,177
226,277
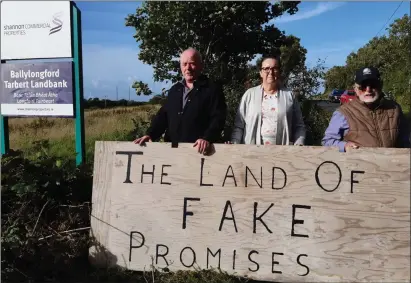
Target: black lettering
249,258
129,154
214,255
260,217
147,173
246,177
306,267
228,203
273,178
181,257
185,212
352,178
164,174
297,221
230,176
318,179
161,255
234,256
131,243
201,175
273,262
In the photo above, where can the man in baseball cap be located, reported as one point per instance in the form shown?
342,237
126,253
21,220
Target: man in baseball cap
369,120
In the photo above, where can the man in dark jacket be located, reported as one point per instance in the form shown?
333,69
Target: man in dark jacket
195,109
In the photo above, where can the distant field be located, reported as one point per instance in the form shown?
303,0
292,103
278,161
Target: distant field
101,124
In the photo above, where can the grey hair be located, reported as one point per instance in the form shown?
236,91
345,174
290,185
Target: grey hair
196,52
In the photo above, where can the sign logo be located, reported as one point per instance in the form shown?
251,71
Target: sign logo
57,22
366,71
23,29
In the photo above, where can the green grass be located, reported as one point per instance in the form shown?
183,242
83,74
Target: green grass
114,124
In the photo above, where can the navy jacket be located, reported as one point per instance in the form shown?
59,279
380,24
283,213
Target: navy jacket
203,115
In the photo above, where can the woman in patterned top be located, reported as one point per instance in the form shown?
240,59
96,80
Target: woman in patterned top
269,114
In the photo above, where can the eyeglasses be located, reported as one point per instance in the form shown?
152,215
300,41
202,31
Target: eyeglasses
268,69
372,84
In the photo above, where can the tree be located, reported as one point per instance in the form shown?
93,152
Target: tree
292,58
141,88
336,78
388,53
306,82
228,34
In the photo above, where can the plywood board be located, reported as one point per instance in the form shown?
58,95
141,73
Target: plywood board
275,213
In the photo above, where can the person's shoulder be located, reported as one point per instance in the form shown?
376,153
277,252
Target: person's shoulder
254,89
338,113
288,92
390,103
176,85
344,107
250,92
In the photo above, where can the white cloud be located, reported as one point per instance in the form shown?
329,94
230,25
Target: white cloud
108,67
319,9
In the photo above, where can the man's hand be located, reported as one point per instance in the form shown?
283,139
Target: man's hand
202,145
350,145
142,140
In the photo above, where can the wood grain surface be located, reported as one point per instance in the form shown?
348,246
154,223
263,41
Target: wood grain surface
334,217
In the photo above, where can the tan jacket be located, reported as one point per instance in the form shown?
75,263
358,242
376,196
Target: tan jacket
378,127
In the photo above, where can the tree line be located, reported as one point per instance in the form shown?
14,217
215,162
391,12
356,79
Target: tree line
390,54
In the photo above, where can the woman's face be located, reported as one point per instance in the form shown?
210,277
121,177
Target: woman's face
270,71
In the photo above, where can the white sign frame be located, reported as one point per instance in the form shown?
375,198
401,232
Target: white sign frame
47,32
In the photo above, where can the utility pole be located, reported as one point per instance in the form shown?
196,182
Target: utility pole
117,92
129,94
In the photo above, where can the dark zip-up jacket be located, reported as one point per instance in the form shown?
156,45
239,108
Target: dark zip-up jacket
203,116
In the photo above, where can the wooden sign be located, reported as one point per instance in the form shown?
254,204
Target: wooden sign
274,213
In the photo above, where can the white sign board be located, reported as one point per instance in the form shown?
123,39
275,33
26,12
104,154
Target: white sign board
35,29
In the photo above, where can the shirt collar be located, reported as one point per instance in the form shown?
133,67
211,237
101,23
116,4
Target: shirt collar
201,80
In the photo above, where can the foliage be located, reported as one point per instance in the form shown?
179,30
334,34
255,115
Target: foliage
41,200
227,34
233,93
388,53
140,128
306,82
292,58
96,103
316,121
141,88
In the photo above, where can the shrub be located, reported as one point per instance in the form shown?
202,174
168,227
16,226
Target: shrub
316,121
42,200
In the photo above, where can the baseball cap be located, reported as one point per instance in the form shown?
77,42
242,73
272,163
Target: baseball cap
367,73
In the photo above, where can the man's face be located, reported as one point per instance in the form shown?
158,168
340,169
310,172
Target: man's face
270,71
190,65
368,91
